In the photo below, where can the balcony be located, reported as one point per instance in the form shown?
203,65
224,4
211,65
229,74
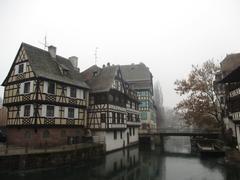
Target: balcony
19,99
51,98
234,93
235,116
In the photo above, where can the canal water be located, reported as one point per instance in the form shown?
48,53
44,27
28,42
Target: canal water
176,163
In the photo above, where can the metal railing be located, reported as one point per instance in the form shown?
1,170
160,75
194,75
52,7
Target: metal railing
178,131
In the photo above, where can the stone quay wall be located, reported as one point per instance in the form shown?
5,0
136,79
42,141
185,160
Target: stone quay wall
49,158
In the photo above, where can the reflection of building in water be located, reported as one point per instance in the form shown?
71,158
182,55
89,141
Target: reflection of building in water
120,165
152,168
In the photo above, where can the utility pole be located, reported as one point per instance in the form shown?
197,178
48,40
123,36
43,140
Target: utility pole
45,44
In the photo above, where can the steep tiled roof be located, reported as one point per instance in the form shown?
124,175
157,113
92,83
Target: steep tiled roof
102,80
136,72
230,62
43,65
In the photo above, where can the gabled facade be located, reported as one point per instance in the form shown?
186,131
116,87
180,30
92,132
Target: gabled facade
46,98
113,107
139,78
227,100
232,91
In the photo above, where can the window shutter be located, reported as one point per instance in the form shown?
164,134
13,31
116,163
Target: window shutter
56,111
16,69
31,110
76,113
81,93
65,112
78,93
44,111
68,91
31,86
21,88
21,111
24,67
45,88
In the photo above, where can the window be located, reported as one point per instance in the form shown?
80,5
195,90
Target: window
20,68
144,115
115,135
118,118
26,87
70,112
110,98
122,118
50,111
130,131
27,110
51,87
103,118
116,99
121,134
113,117
73,92
133,131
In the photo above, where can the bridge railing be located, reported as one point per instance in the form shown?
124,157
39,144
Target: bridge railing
175,130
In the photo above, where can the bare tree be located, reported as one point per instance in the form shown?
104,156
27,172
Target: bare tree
200,106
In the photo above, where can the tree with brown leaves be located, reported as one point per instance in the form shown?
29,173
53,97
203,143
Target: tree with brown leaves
200,105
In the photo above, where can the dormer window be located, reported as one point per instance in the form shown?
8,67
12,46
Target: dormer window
51,87
94,73
20,68
73,92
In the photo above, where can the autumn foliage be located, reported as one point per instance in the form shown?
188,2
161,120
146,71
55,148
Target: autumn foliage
200,104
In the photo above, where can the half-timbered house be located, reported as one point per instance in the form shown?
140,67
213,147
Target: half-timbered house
46,98
139,78
232,92
113,107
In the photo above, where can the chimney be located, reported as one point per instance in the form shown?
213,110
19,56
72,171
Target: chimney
74,61
52,51
108,64
103,66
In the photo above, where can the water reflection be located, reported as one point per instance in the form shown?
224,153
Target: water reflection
134,164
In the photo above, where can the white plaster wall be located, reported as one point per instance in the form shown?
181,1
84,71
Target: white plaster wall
132,138
45,86
111,143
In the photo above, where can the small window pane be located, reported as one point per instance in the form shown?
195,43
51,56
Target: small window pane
51,87
27,110
71,112
26,87
118,118
50,111
20,68
103,118
113,118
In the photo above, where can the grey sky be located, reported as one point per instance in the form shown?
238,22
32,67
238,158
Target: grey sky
167,35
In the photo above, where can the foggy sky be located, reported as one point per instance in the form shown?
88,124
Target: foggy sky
167,35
